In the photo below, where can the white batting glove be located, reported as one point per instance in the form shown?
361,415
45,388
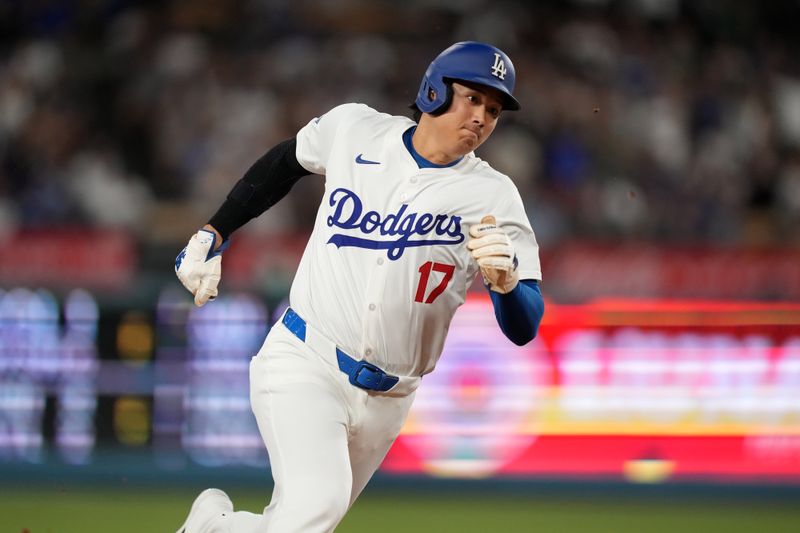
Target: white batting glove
492,249
199,267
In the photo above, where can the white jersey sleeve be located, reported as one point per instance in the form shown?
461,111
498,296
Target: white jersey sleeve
316,139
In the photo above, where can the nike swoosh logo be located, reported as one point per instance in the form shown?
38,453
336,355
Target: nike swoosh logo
361,161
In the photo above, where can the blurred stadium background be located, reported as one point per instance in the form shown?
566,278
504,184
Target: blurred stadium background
658,153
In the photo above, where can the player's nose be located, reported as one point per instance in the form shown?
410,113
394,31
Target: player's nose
479,115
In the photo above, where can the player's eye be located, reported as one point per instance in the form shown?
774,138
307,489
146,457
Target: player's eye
494,112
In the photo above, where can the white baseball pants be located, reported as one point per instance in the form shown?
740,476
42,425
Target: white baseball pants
325,437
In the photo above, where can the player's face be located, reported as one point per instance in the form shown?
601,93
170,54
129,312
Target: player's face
471,117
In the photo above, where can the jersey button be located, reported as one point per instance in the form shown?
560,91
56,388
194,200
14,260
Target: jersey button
368,351
413,180
380,260
371,307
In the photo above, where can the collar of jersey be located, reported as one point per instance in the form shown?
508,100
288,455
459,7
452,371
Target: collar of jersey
421,161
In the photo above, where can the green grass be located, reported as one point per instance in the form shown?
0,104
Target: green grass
142,510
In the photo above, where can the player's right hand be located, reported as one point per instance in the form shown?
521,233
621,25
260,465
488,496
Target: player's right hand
491,248
199,266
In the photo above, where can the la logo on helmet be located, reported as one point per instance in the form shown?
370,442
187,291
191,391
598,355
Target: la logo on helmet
499,67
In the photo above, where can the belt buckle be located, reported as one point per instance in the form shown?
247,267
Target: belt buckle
371,380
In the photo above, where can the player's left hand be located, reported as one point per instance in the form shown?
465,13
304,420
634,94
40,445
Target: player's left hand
492,249
199,266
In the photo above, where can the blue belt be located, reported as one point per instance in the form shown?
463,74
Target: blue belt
361,373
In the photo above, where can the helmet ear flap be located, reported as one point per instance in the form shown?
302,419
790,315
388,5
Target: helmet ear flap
448,99
434,95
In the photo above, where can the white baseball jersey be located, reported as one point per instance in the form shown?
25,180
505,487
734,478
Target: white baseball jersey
387,265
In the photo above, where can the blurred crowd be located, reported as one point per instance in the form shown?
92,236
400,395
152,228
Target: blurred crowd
660,120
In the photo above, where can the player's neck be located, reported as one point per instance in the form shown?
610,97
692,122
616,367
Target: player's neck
427,145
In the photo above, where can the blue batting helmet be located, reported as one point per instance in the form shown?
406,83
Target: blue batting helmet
466,61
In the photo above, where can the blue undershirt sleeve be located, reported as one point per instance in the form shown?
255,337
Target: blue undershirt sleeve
520,311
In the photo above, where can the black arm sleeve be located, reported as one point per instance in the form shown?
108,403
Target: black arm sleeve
262,186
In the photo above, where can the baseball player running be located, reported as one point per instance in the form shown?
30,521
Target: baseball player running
409,216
